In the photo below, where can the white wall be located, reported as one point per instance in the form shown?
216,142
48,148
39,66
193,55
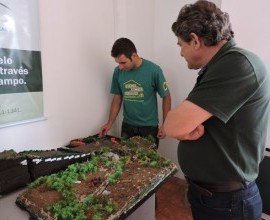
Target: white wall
76,39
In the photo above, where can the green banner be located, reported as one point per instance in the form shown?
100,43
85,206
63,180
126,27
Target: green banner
20,71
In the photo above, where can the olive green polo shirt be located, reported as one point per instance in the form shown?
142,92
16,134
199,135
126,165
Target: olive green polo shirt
235,88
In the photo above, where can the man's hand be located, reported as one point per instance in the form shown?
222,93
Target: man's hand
104,129
161,134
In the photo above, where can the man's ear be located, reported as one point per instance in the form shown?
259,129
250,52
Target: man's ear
134,56
195,40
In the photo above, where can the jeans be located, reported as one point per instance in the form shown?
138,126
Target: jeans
243,204
142,131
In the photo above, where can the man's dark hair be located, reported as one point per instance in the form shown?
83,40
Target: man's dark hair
123,46
204,19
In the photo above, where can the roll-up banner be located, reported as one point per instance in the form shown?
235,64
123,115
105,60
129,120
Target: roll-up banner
21,88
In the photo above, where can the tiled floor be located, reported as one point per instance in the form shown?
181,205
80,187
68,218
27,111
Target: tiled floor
171,202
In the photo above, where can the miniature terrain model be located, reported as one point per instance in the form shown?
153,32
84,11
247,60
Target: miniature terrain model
18,169
117,177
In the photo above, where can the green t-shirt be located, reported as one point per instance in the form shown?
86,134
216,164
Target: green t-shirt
139,88
235,88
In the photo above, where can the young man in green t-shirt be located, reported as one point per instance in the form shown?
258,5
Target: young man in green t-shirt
135,83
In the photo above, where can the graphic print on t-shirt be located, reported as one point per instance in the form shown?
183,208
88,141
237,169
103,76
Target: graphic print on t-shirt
165,86
133,91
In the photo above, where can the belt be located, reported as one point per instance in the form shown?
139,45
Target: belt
210,188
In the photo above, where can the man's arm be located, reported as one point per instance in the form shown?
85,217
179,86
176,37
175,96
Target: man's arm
185,121
115,108
166,107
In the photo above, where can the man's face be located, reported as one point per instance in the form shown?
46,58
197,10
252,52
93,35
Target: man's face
125,63
189,53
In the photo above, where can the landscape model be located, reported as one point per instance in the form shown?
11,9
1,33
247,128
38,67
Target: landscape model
117,176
